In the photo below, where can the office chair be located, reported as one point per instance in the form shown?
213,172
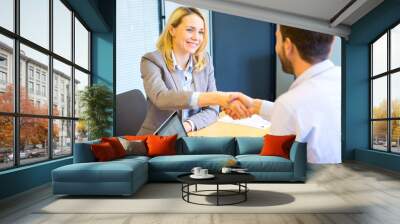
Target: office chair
131,111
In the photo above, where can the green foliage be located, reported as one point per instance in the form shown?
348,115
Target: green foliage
97,102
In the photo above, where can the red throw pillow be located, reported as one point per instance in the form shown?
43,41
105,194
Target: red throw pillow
116,145
161,145
103,151
277,145
135,137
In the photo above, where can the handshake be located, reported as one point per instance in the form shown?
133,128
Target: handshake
235,104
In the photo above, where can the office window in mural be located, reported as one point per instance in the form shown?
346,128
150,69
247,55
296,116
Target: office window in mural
39,124
385,94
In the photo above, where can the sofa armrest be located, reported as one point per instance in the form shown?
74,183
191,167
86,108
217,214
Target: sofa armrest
83,152
298,155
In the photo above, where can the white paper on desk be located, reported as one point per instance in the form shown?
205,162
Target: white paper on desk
254,121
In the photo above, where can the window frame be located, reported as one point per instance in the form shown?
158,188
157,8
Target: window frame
388,74
16,115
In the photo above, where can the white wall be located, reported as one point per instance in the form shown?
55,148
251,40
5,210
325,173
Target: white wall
137,34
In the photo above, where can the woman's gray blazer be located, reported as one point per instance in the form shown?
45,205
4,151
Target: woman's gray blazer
165,93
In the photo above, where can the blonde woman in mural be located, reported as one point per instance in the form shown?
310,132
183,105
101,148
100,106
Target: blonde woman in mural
179,75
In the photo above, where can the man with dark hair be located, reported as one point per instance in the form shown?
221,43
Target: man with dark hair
311,108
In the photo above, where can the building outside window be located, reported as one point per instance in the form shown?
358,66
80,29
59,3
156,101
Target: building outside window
44,77
43,90
3,77
30,87
34,81
3,72
38,89
385,91
3,61
37,75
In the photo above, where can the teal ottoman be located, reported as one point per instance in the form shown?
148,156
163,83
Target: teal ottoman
118,177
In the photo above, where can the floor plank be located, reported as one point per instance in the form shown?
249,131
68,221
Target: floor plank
377,189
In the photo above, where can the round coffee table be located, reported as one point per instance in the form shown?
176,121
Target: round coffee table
238,179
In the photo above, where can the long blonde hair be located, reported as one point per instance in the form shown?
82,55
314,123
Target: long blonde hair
164,43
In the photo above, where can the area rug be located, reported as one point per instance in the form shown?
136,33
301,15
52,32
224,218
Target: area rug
167,198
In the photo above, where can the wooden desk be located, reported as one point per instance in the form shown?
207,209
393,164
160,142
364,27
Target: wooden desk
223,129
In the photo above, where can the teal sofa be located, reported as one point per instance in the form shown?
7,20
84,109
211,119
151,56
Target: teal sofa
125,176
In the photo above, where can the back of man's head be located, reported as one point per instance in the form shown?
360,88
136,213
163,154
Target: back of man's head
313,47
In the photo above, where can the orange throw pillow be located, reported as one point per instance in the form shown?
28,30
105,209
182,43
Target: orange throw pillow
135,137
277,145
161,145
116,145
103,151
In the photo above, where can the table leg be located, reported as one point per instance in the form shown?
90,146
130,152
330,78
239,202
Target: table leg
217,194
245,191
196,188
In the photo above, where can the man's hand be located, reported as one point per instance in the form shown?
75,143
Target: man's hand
235,104
238,100
187,126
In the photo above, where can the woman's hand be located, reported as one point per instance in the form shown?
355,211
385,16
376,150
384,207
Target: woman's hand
187,126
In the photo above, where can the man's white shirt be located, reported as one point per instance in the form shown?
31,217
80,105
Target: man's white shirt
311,110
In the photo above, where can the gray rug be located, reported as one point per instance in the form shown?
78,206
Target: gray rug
166,198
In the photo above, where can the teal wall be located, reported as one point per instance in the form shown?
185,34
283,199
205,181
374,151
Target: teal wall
24,178
244,55
99,15
103,62
355,71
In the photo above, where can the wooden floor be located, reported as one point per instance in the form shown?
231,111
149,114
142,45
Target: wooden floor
378,188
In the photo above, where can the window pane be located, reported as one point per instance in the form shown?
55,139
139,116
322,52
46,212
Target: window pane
395,94
395,136
379,55
34,79
33,140
7,14
81,81
6,142
81,45
379,97
395,47
62,29
35,21
62,137
81,131
62,89
6,74
379,135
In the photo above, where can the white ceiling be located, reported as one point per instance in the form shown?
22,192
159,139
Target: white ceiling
321,9
324,16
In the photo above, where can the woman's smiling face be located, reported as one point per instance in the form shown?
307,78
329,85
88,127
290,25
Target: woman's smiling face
188,35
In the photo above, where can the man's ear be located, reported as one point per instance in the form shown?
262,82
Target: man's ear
289,47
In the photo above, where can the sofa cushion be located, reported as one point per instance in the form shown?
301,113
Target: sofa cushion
116,145
134,147
275,145
185,163
257,163
111,171
135,137
83,152
249,145
103,152
161,145
207,145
